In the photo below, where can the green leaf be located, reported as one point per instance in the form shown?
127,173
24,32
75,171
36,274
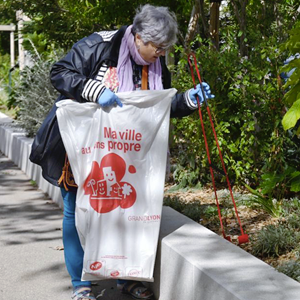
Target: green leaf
295,184
293,80
292,116
295,174
295,63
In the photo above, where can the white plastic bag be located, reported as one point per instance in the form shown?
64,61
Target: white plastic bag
118,158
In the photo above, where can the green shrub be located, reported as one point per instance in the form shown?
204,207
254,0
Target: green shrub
192,210
293,221
292,96
291,206
3,98
247,90
275,240
264,202
210,211
280,182
4,69
34,94
6,81
291,269
291,213
174,202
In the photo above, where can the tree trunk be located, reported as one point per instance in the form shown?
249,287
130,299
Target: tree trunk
203,19
193,23
215,22
239,7
198,12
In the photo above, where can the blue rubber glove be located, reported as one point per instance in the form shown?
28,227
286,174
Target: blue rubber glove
108,98
197,91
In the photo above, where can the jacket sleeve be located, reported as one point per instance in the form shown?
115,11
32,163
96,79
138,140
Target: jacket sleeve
71,76
181,105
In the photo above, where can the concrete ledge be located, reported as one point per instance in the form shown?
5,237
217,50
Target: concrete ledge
16,146
192,262
196,264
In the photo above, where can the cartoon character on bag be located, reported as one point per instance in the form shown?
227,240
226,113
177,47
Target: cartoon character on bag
108,186
101,188
105,187
111,182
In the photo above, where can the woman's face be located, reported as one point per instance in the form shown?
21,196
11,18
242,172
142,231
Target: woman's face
149,51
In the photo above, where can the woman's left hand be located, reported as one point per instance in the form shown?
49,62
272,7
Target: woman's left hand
193,93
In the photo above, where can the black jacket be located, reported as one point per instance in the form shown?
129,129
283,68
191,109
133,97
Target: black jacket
69,76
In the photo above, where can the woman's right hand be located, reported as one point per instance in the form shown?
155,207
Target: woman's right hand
108,98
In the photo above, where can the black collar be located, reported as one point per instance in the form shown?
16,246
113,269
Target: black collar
112,53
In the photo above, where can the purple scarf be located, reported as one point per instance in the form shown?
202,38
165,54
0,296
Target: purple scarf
124,68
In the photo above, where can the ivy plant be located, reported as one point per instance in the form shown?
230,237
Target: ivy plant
292,85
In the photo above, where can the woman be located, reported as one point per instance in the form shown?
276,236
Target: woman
97,66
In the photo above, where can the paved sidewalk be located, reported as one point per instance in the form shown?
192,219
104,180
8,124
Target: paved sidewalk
31,253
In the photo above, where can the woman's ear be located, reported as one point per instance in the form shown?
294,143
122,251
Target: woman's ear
138,40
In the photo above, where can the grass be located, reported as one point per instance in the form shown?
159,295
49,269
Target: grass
33,183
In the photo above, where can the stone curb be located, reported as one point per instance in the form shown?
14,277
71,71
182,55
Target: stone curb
16,146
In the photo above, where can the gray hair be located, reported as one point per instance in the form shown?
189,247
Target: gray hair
155,24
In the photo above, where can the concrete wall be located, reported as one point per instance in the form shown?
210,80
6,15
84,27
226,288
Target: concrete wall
192,262
196,264
16,146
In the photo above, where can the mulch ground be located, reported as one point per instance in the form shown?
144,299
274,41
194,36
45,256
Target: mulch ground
252,219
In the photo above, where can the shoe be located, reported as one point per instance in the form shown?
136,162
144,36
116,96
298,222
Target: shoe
135,289
83,293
